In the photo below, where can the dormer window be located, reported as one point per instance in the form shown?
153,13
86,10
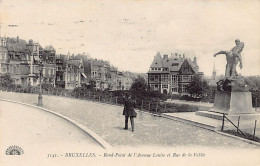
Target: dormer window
175,64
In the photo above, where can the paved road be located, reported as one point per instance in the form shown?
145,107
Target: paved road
33,129
107,121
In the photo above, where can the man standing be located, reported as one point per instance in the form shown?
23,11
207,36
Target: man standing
129,111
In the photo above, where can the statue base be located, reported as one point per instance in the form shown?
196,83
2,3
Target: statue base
231,98
233,103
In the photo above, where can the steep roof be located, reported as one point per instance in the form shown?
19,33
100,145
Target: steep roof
174,63
157,61
17,45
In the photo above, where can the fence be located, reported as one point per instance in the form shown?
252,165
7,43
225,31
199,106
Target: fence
243,126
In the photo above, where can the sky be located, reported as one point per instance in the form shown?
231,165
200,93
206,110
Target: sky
129,33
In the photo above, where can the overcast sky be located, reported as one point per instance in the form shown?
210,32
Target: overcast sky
130,33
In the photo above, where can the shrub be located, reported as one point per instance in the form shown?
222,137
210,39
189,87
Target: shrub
173,108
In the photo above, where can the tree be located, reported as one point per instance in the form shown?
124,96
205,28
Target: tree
139,86
6,80
92,84
198,87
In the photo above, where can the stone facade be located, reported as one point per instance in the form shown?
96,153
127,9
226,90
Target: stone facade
25,60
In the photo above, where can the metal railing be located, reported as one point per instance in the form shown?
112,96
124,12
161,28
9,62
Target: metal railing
247,131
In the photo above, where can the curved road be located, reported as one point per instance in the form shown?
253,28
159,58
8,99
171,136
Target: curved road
33,129
107,121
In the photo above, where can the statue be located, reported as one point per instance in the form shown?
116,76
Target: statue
233,57
232,96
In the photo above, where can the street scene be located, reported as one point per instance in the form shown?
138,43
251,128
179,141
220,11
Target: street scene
108,122
105,79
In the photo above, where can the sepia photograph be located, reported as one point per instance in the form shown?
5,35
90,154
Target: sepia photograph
130,82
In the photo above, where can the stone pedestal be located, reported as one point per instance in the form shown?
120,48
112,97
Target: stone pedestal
233,103
233,99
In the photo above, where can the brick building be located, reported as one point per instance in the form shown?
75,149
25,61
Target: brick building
172,74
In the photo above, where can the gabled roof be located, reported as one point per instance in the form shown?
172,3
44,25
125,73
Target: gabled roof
75,62
193,65
173,63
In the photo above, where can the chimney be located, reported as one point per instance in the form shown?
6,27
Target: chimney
195,59
17,39
176,54
183,55
165,56
30,41
179,55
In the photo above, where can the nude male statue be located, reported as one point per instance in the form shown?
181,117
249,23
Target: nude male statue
237,51
232,57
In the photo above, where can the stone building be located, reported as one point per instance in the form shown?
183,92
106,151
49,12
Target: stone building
3,55
172,74
35,57
74,74
49,65
112,78
15,59
99,73
60,70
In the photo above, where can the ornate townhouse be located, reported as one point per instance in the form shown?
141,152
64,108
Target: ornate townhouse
3,55
99,73
60,70
74,74
15,59
112,78
172,74
35,56
49,65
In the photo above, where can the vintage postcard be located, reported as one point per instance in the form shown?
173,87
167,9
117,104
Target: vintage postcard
130,82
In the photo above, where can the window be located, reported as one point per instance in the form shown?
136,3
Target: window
180,78
175,79
165,86
156,78
151,77
69,79
14,70
186,78
175,64
165,77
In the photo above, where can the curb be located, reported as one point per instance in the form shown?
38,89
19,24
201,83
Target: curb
211,128
204,126
96,137
240,138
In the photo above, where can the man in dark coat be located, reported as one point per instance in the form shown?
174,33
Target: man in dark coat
129,111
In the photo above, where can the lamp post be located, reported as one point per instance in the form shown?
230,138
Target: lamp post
40,93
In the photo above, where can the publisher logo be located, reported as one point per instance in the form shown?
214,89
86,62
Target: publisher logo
14,150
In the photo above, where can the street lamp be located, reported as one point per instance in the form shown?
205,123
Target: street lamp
40,93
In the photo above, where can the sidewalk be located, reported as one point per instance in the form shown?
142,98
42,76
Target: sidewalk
202,105
107,121
32,129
